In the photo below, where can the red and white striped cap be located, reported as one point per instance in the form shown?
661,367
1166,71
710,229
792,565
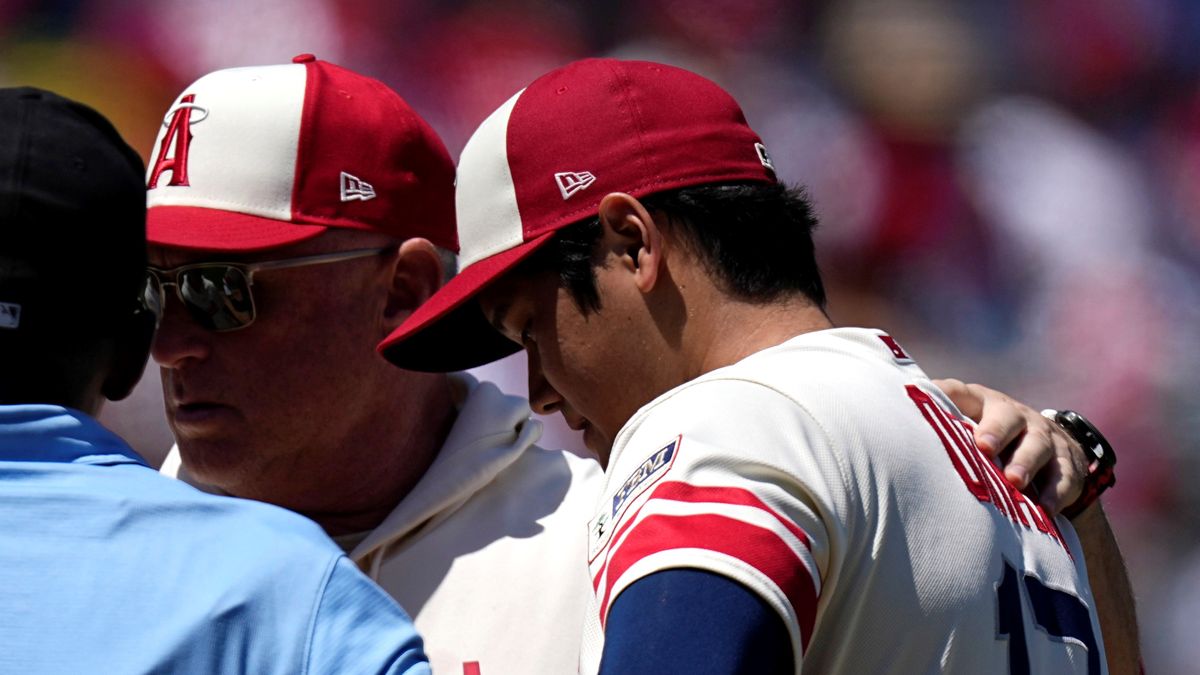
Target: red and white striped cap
255,158
546,158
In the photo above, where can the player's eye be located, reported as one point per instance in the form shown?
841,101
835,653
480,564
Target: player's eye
527,333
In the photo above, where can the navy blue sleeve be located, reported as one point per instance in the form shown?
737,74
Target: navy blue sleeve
696,622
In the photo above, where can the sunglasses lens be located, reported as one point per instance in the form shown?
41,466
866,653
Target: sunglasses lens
151,298
217,296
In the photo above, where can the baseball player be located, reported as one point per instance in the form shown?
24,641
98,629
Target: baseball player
87,525
779,493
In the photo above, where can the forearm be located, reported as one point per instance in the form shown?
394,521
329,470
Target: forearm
1113,594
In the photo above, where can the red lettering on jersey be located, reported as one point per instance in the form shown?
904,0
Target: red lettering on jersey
471,668
180,130
981,476
897,350
965,463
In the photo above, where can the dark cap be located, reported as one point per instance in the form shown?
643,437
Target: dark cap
72,212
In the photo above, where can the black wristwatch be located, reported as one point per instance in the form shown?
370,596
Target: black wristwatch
1101,457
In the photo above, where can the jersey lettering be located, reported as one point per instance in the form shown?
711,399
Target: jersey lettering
896,349
179,131
981,476
1057,613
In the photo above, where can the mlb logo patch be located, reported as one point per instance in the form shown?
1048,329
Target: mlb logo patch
647,473
652,468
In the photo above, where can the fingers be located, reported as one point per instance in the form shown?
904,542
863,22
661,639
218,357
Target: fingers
1045,455
1034,452
1000,420
1062,483
970,404
1030,447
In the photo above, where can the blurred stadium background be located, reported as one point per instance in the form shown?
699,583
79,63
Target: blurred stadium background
1011,188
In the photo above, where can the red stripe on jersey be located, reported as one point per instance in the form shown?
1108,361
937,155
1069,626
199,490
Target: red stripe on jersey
686,492
756,546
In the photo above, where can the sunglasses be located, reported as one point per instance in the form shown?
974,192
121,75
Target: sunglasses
217,295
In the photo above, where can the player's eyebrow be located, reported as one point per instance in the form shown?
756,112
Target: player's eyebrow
497,318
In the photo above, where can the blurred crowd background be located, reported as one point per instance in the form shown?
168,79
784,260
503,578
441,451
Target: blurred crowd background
1011,188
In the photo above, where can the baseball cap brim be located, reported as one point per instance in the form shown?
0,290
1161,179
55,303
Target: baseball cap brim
208,229
449,331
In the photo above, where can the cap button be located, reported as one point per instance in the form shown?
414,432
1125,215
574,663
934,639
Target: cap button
304,58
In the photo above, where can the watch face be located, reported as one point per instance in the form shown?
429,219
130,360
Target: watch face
1086,434
1100,476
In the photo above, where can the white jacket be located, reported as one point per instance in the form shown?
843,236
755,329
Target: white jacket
487,551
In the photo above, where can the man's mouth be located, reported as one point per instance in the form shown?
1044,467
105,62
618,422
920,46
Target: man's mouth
200,413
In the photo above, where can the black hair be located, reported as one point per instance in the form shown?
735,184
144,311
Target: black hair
754,239
50,367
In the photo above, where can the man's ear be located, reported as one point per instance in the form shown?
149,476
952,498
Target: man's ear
633,237
131,349
416,274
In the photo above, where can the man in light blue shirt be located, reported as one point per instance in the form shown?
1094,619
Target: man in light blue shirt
105,566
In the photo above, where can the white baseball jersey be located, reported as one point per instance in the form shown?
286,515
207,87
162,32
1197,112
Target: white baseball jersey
829,476
486,552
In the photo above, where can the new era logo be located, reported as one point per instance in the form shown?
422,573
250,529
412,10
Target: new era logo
354,187
570,182
764,157
10,315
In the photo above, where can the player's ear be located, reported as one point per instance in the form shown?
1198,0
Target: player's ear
131,349
633,237
416,273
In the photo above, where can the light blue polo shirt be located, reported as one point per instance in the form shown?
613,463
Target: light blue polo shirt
108,567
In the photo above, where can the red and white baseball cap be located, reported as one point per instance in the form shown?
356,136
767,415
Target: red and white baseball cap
255,158
546,158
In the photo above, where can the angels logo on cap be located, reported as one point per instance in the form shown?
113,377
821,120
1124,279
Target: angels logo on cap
260,157
178,137
638,127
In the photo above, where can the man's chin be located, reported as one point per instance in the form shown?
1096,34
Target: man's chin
598,444
211,466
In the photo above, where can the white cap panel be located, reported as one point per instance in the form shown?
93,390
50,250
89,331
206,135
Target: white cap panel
227,168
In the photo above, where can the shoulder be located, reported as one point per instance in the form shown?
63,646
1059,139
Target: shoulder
359,627
721,412
259,535
821,383
790,378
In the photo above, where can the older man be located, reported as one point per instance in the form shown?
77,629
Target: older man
297,214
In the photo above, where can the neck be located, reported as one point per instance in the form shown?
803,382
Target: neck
730,330
372,473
